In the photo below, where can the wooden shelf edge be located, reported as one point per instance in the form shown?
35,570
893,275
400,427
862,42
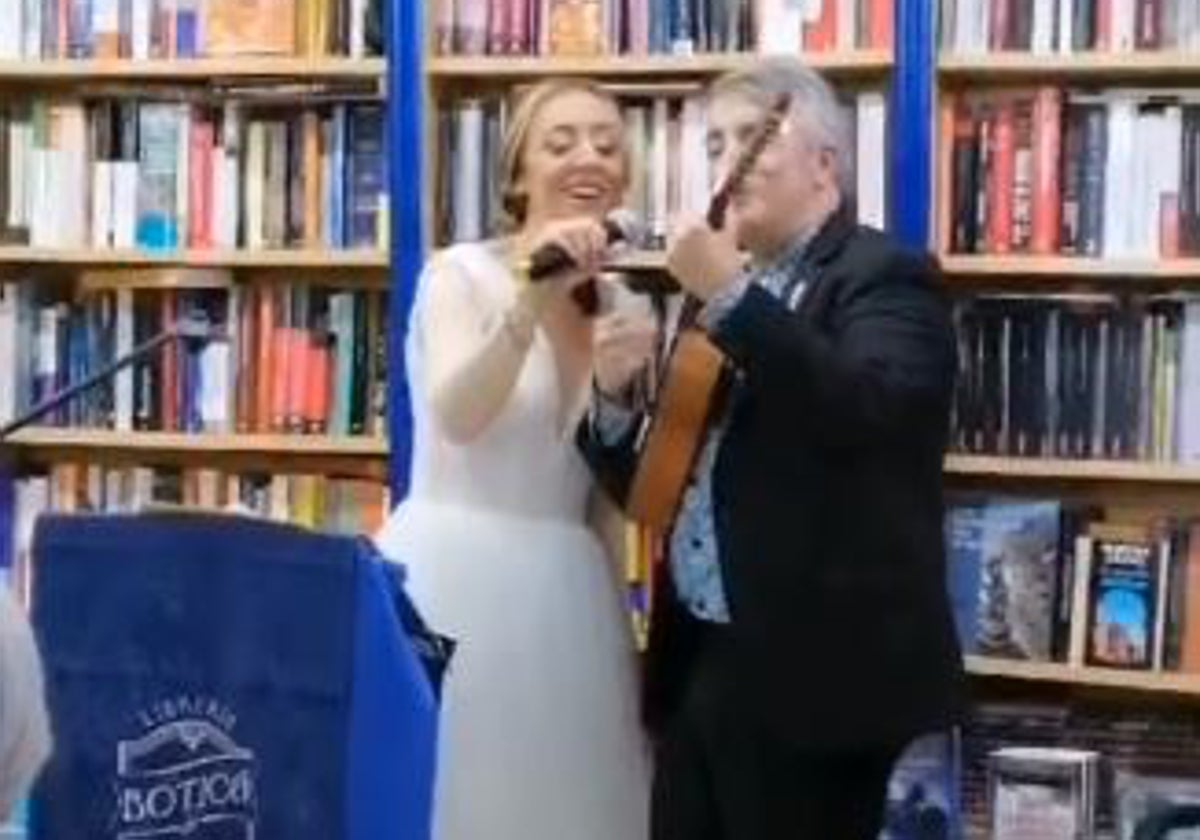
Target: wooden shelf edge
201,444
1164,682
1107,65
971,265
993,466
1013,266
194,69
359,258
702,64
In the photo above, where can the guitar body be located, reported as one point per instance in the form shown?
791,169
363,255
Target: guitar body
676,430
692,372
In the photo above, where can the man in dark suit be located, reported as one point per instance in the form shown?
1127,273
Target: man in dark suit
802,636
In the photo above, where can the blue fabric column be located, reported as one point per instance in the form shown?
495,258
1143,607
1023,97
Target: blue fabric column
405,132
911,120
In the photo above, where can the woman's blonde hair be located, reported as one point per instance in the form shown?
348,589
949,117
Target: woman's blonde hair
24,726
514,203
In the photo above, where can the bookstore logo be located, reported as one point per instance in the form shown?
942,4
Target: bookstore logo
185,776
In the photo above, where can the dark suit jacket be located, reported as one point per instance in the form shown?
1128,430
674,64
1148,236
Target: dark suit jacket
827,497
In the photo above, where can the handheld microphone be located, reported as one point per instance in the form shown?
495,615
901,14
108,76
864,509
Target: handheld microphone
552,258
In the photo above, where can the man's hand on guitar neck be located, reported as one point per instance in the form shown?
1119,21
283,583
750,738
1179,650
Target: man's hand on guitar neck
706,262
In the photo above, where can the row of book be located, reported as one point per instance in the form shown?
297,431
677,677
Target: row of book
1078,376
669,162
283,358
677,27
161,29
1113,174
1042,580
338,504
1076,771
164,176
1049,771
1069,26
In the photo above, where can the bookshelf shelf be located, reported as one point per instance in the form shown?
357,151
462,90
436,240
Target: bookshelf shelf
1106,67
202,444
266,259
987,466
643,68
1158,682
984,267
277,68
979,266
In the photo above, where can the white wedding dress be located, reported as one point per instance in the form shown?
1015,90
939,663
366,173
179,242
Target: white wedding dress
540,737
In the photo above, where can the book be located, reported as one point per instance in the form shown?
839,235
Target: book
1043,793
1123,614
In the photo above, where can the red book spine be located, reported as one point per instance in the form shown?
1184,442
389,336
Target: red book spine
1000,180
1047,151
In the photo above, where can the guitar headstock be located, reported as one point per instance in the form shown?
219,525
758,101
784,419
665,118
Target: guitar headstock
769,127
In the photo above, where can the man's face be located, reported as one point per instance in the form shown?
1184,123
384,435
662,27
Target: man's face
791,181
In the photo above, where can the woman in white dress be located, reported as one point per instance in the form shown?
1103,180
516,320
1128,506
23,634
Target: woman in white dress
24,722
540,734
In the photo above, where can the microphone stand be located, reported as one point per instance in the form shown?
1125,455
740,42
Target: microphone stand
186,330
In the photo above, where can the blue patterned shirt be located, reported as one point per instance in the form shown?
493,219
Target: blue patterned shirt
693,551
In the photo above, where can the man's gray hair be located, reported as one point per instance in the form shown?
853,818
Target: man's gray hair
812,97
24,726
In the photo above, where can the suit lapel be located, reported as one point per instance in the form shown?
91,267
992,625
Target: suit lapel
825,248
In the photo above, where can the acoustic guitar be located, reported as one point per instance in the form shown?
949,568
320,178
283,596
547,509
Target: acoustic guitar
690,376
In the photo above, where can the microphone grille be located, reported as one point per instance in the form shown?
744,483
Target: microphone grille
623,224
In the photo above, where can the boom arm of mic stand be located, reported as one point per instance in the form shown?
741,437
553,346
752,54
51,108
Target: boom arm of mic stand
182,331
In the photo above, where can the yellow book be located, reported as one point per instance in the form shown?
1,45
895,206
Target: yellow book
576,27
250,27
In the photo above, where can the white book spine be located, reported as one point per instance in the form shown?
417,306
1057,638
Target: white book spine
70,178
660,153
256,167
870,169
20,137
183,168
31,29
214,386
1044,26
1124,18
358,23
780,23
123,396
125,203
694,190
103,233
12,33
1066,26
8,351
1118,176
142,12
469,185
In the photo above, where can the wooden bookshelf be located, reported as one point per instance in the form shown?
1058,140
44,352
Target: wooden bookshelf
506,69
1028,270
194,70
989,466
1104,67
283,258
200,444
1059,673
1186,270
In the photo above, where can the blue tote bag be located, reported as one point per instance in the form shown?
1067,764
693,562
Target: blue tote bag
219,678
